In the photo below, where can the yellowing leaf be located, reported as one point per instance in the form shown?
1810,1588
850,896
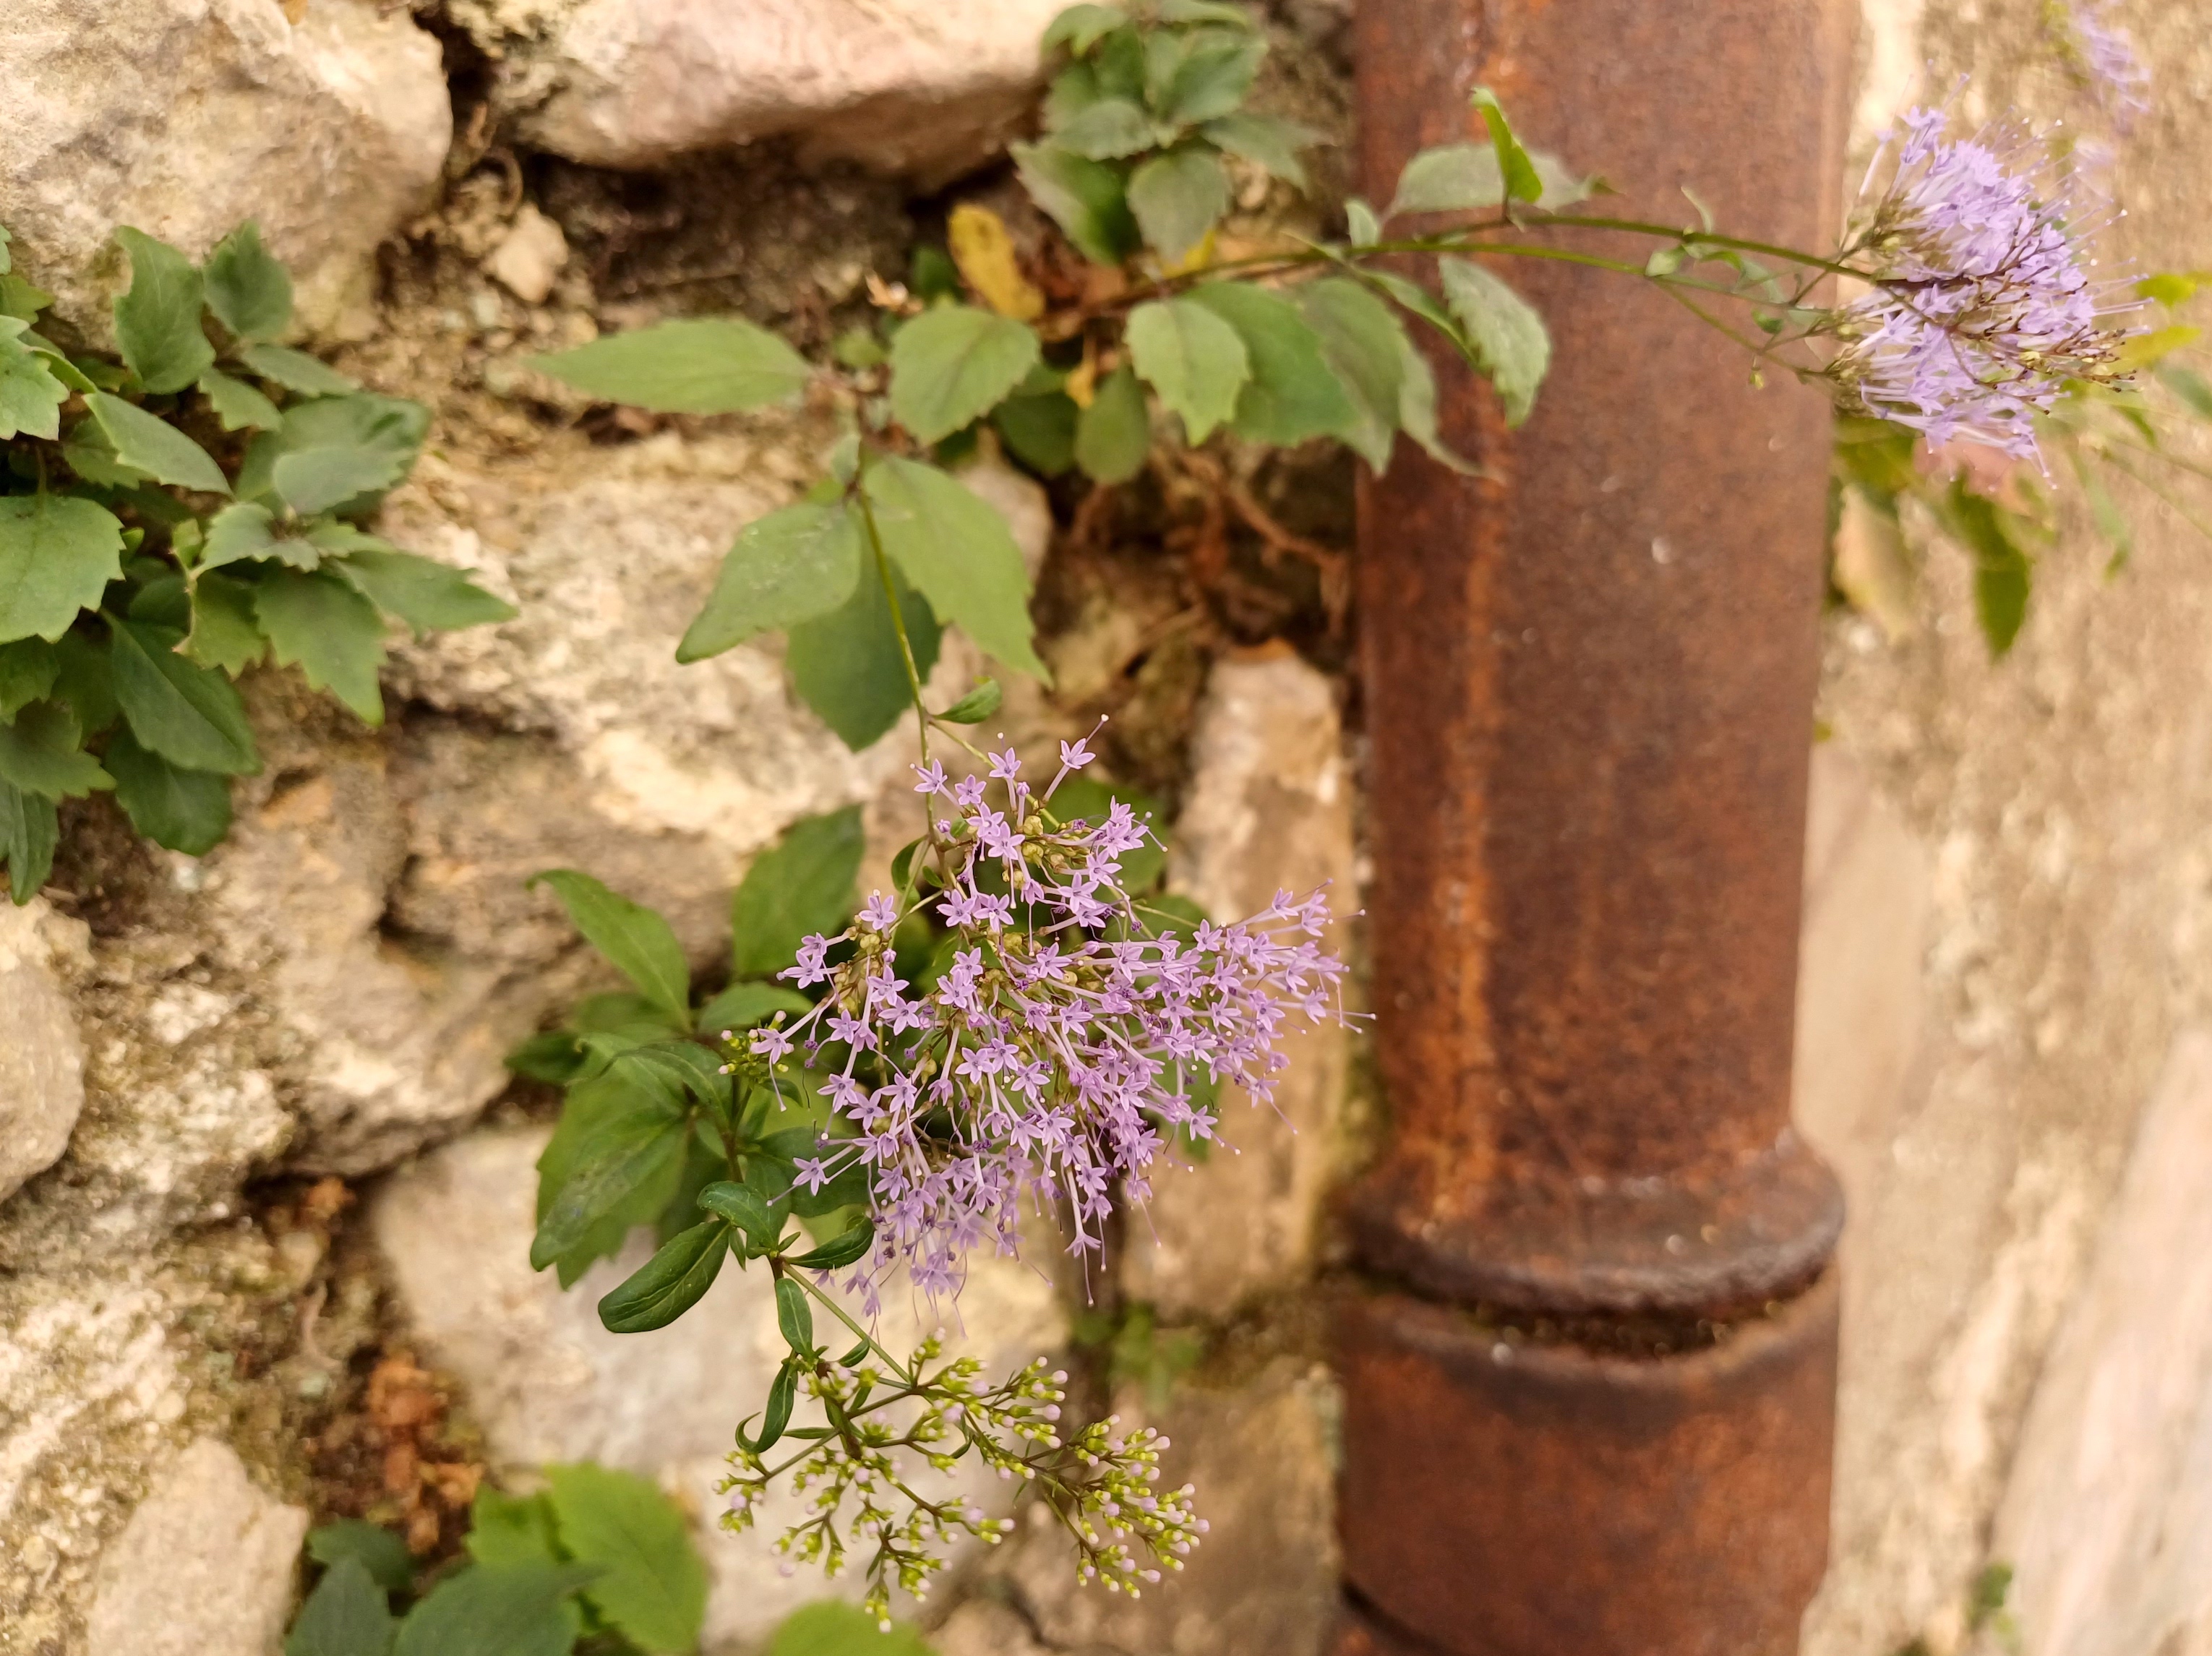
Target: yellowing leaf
2146,349
985,253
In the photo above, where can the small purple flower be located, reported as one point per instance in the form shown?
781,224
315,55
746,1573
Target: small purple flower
932,778
812,965
2103,57
1006,766
771,1043
879,912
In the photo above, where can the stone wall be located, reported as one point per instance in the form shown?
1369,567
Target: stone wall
265,1185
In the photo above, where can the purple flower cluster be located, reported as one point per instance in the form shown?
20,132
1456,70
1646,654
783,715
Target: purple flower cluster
2104,57
1981,307
1062,1037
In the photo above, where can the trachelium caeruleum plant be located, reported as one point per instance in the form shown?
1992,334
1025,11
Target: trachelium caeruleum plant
1022,1026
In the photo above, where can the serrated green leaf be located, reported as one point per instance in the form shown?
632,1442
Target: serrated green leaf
242,530
1364,345
31,398
190,716
177,809
157,320
718,364
506,1529
237,404
85,682
951,365
1466,178
1267,141
296,371
56,557
248,290
958,553
1510,341
392,426
1417,413
1115,434
498,1610
8,258
1179,197
1088,199
329,631
428,596
651,1586
149,444
92,456
639,942
28,832
670,1283
1106,129
58,362
348,1613
1080,27
801,886
744,1005
1522,181
784,569
377,1550
41,752
1193,358
847,665
1210,82
1292,394
316,480
28,667
1039,431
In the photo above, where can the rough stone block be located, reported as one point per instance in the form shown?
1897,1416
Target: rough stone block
186,117
205,1567
42,1057
1269,809
547,1383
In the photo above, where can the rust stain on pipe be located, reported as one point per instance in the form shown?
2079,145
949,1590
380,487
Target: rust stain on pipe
1589,695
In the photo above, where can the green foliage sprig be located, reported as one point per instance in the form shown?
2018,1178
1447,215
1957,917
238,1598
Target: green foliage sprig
171,515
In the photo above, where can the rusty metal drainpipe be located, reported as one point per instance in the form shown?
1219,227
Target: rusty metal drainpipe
1591,1375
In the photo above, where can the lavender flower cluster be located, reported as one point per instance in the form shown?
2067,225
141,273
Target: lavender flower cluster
1062,1041
1983,308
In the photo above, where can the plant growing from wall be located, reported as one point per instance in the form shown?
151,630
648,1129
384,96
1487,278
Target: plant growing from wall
1022,1020
174,513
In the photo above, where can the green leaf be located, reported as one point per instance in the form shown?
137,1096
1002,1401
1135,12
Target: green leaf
247,289
1509,338
849,1245
1522,182
31,398
784,568
715,366
1364,345
334,635
847,666
1086,198
1079,28
1205,11
377,1550
670,1283
637,940
157,321
743,1004
1177,197
1267,141
1292,395
1448,178
85,680
1115,434
296,371
346,1614
958,553
152,445
2191,387
316,480
92,456
498,1610
1039,431
832,1628
224,632
57,363
978,705
392,426
1192,357
28,667
507,1529
651,1586
430,597
190,716
630,1151
800,887
1417,412
237,404
29,833
2003,574
783,1392
795,1316
951,365
1107,129
41,752
1211,82
553,1057
742,1206
177,809
56,557
244,529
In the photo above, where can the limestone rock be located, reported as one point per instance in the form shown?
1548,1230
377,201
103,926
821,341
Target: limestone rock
980,1628
547,1383
2107,1521
186,117
205,1567
1269,809
529,256
903,85
42,1059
